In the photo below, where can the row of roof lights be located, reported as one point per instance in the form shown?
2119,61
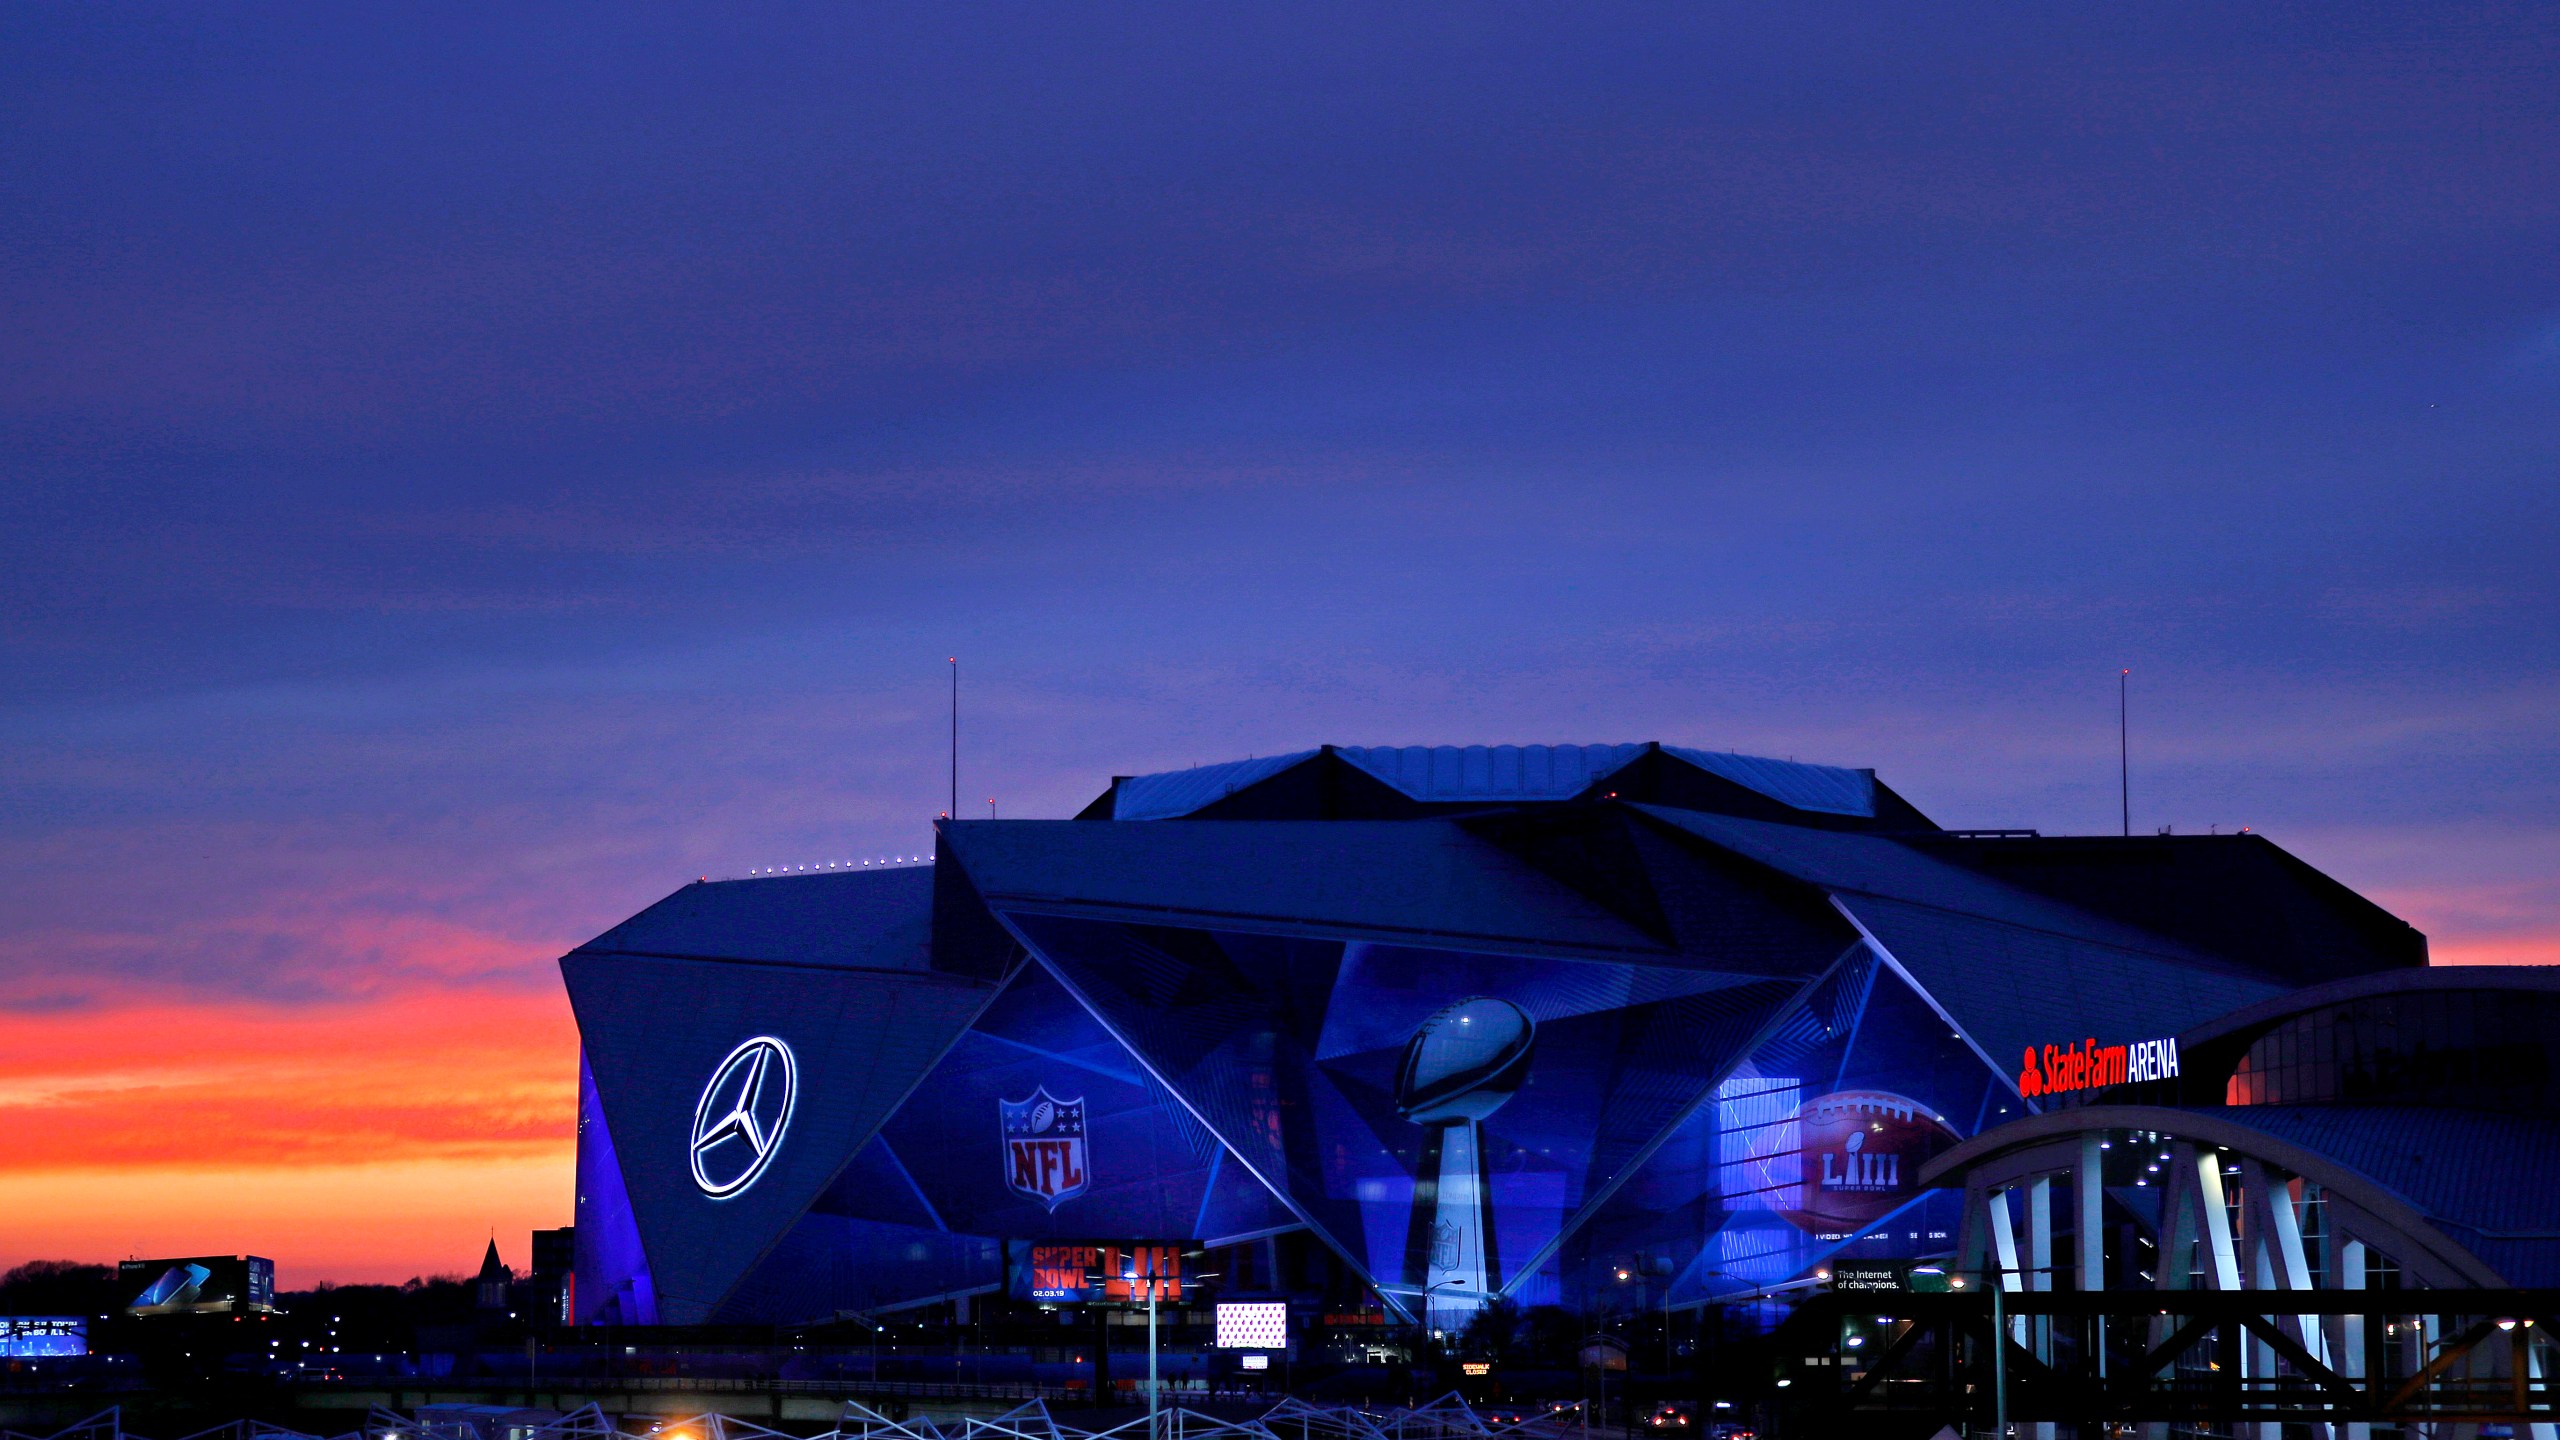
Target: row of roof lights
823,865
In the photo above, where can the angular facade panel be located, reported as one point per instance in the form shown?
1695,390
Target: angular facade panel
806,1061
611,1284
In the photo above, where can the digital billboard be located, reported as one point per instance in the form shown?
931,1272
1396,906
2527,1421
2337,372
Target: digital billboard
1101,1273
198,1284
38,1336
1253,1325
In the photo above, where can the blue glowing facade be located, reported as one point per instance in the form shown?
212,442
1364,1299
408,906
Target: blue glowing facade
1405,1029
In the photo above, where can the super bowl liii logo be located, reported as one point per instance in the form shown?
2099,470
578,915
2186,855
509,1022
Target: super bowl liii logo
1862,1153
1044,1147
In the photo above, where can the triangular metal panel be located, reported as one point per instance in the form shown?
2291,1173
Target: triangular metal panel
611,1265
2015,987
1586,847
1737,914
657,1033
1141,1164
1781,1172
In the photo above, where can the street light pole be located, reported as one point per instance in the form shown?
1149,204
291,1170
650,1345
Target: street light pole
1142,1269
1427,1326
1604,1389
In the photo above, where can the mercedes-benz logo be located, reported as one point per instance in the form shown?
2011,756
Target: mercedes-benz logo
739,1122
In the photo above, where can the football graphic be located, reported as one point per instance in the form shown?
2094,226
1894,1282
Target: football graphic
1861,1152
1042,1114
1463,1062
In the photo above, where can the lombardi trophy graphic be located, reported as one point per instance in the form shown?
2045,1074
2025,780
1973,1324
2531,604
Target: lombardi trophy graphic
1460,1066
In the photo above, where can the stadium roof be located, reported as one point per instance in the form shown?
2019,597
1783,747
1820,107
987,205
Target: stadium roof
867,919
1416,882
2484,1178
1524,849
1459,776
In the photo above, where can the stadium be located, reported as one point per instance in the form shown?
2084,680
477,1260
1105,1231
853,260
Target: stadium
1382,1034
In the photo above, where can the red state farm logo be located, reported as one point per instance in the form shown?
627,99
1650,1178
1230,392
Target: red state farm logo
1044,1147
1862,1151
2061,1069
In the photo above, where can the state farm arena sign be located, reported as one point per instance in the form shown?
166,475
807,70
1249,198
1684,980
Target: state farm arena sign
2062,1069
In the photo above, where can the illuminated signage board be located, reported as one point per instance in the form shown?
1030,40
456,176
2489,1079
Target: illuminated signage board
1058,1272
1870,1276
1891,1277
1257,1362
1257,1325
1475,1367
2061,1069
1105,1273
31,1336
198,1284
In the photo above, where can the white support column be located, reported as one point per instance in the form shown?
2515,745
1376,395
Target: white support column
2258,1358
2428,1335
2222,1258
2089,1242
2292,1260
2040,1272
2213,1217
2259,1272
2181,1230
2004,1253
2539,1429
2349,1275
1973,1239
2004,1238
2089,1195
2040,1233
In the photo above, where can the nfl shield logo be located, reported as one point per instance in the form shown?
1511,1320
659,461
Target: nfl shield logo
1044,1154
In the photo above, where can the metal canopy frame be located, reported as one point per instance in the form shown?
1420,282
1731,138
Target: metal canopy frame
2177,1356
1448,1418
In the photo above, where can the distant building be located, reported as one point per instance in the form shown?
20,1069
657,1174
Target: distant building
494,1279
552,1285
2394,1129
1389,1032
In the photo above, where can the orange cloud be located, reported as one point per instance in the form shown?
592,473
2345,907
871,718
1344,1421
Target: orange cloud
2482,921
2496,950
360,1139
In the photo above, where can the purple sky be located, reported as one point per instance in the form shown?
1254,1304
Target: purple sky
469,473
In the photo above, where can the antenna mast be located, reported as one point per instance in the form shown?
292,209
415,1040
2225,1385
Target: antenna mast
954,812
2124,756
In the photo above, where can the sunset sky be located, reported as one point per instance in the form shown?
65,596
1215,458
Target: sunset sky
464,473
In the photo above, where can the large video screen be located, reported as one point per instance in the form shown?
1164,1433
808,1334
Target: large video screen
1107,1273
1253,1325
198,1284
40,1336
